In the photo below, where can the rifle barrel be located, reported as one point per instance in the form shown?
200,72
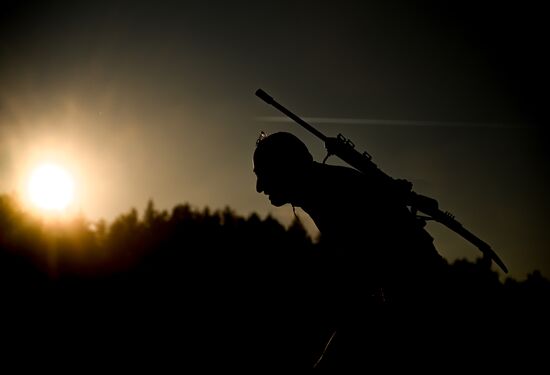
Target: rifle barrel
269,100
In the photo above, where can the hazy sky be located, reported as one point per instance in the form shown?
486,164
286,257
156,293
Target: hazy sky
156,100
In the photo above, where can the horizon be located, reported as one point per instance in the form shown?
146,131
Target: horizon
66,220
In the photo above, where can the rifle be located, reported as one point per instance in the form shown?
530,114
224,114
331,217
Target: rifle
402,189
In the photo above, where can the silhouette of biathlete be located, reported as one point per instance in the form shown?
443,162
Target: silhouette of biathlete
378,259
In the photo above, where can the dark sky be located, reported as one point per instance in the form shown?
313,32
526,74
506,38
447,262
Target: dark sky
156,100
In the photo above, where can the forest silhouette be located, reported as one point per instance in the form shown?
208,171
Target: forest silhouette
214,287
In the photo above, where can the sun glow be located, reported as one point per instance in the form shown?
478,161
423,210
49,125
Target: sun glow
51,188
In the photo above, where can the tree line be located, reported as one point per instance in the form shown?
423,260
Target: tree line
209,276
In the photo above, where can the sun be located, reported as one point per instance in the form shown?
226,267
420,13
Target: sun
50,188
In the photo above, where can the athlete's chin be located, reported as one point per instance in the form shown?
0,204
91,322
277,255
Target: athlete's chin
277,202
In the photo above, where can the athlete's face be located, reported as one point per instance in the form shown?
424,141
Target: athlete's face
275,183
